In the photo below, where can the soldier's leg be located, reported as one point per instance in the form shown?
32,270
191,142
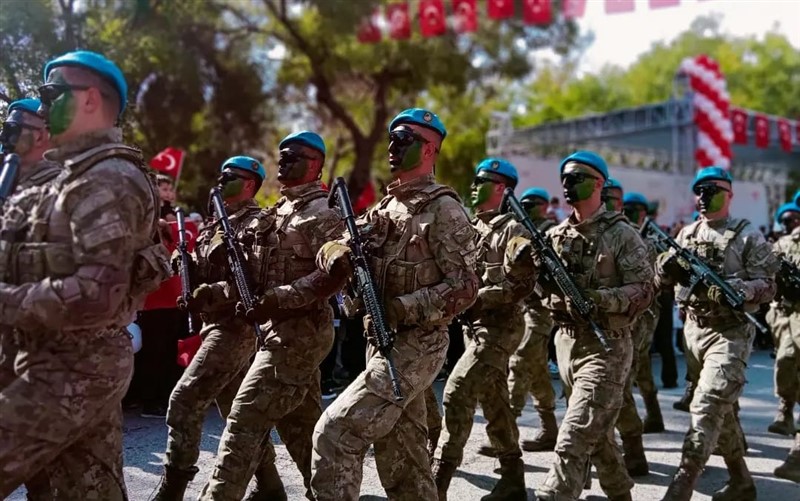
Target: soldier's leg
653,421
629,423
544,397
433,419
521,367
458,402
786,375
56,401
596,383
222,356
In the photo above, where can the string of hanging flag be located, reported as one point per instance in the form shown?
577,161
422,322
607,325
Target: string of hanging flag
395,20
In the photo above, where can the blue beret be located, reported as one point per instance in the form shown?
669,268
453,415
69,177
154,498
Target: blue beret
98,64
588,158
246,164
306,138
787,207
712,174
498,166
535,192
613,183
26,105
634,198
419,116
796,198
695,216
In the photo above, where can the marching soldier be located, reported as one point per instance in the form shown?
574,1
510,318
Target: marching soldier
608,260
83,267
282,386
528,372
218,368
718,340
422,256
481,374
612,195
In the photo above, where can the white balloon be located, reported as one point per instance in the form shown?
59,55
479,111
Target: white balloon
135,333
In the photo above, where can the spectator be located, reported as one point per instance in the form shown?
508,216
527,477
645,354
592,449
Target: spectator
555,211
166,191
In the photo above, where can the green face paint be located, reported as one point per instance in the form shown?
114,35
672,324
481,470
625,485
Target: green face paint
411,157
633,213
535,212
62,111
716,202
233,188
610,205
579,191
481,193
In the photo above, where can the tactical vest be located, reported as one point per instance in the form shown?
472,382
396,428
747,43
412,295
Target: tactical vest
400,258
534,300
43,253
491,255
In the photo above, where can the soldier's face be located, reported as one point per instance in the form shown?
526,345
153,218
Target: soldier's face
579,182
296,163
635,212
535,207
27,131
613,199
790,220
59,105
712,197
405,148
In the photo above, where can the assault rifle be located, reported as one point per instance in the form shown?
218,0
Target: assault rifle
789,279
364,282
236,260
11,161
553,265
183,254
699,272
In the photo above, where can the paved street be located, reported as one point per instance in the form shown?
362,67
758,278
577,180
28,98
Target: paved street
145,439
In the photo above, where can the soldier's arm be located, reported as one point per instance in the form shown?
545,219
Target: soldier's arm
760,265
103,215
662,278
519,274
326,225
451,239
635,271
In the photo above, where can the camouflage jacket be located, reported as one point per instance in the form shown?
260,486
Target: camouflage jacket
91,252
534,300
422,251
606,254
735,249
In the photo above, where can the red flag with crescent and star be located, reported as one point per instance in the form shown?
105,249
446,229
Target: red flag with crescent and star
169,162
399,20
432,18
165,296
466,16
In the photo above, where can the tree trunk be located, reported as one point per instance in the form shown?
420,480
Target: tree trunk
360,175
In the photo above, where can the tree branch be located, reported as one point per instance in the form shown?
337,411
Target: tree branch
339,151
5,97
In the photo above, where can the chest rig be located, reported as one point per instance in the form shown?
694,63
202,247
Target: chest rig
211,253
400,258
713,251
491,249
283,251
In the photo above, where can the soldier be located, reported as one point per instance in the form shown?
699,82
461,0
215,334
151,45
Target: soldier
85,264
527,369
608,260
718,340
423,258
481,374
779,319
35,174
229,342
612,195
282,386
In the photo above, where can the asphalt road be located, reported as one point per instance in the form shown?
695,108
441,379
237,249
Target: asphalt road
145,440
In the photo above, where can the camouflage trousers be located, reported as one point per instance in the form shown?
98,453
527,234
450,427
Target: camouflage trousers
527,368
282,390
594,382
721,354
433,417
367,413
629,423
787,354
214,375
481,375
63,410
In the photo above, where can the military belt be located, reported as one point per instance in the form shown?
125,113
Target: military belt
575,331
715,322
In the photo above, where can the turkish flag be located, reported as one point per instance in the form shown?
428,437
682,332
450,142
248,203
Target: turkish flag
537,12
500,9
657,4
466,16
187,349
164,297
762,131
431,18
399,21
368,31
739,125
574,8
366,199
169,162
785,134
617,6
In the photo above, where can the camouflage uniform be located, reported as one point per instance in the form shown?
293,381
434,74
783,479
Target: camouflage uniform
481,374
228,343
422,256
606,254
87,262
718,341
281,387
528,372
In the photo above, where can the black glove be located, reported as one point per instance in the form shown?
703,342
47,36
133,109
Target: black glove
677,268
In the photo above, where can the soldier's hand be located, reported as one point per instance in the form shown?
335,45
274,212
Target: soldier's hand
594,296
265,308
200,299
676,268
334,259
394,313
573,311
715,294
368,331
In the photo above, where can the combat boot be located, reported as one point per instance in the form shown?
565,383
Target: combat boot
686,399
790,469
487,450
653,422
442,475
784,420
682,485
635,461
545,439
269,486
740,487
174,482
511,486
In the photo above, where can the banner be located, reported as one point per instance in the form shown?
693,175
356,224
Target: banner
536,12
431,18
399,21
169,162
466,16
